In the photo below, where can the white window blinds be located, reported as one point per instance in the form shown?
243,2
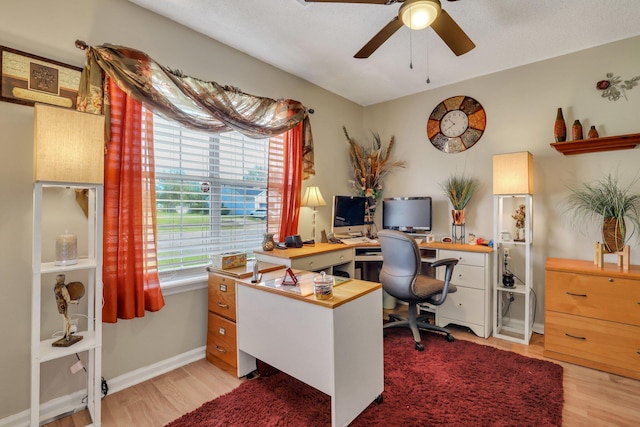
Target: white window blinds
210,195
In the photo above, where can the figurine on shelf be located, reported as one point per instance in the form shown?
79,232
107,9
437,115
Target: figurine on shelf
519,217
67,294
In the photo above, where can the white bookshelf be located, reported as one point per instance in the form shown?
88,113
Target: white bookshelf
41,349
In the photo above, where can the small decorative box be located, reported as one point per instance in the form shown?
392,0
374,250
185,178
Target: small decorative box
229,260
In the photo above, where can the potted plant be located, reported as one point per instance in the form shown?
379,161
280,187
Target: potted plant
459,189
606,202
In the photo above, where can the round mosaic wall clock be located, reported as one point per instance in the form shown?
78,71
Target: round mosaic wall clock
456,124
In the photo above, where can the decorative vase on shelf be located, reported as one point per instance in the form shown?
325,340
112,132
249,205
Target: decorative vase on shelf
560,128
593,133
576,130
267,242
458,216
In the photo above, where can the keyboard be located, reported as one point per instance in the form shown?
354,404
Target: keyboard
356,240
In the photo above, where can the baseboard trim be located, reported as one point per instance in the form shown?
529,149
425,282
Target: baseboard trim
143,374
70,403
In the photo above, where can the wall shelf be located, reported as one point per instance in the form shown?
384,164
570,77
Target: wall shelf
607,143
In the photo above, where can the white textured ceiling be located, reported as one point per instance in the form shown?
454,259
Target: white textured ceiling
317,41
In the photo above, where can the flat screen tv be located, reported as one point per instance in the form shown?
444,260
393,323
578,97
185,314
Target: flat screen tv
409,214
348,215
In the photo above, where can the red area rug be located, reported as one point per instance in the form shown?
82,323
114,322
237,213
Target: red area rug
451,384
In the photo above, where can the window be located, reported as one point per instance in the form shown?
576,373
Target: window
211,196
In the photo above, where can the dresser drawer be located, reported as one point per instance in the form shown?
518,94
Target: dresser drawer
603,342
324,260
221,339
465,275
466,304
222,296
601,297
463,257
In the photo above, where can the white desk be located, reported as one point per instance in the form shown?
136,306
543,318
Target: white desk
332,345
471,306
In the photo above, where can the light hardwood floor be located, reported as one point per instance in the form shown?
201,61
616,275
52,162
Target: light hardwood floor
592,398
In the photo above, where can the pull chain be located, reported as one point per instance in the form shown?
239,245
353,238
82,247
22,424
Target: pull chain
428,79
410,41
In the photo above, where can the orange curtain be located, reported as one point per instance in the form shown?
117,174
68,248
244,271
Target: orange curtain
130,267
284,183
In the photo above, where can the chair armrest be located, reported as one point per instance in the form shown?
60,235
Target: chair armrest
444,261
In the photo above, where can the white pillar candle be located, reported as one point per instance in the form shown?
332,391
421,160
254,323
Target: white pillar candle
66,249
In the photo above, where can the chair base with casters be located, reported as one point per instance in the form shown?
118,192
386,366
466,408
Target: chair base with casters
416,323
401,278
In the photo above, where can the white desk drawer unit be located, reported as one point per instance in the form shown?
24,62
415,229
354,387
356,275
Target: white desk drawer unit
321,261
320,257
470,306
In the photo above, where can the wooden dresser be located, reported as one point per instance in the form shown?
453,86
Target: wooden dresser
592,315
222,348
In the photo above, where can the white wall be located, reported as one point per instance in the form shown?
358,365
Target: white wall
521,105
49,29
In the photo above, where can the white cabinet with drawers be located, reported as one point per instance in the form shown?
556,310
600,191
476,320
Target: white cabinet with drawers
471,305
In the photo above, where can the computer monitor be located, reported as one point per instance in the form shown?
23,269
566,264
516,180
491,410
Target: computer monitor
348,215
409,214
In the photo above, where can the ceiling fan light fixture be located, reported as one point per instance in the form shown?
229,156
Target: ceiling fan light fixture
419,14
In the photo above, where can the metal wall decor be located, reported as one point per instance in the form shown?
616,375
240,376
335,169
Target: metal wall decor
612,88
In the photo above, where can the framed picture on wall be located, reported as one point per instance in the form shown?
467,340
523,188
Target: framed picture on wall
27,79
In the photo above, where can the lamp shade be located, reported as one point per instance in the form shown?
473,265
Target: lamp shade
513,173
419,14
68,145
312,198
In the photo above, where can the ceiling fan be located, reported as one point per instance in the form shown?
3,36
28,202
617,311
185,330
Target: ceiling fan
417,15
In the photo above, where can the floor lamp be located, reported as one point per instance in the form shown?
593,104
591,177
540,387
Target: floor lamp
312,198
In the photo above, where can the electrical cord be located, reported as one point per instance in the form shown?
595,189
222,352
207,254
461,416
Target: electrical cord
104,387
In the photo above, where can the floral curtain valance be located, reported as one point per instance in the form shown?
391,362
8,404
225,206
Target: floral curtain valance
194,103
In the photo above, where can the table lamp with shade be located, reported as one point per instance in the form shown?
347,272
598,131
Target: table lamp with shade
313,198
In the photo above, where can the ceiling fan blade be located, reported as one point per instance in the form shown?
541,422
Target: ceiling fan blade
451,33
349,1
379,38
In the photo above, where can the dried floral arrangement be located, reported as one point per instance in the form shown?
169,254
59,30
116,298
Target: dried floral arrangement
370,165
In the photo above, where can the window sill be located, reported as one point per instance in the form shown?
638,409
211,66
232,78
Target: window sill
173,286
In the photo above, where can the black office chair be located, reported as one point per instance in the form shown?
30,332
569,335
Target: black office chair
401,278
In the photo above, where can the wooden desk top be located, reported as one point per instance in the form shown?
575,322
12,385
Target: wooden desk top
245,270
318,248
306,250
342,293
457,247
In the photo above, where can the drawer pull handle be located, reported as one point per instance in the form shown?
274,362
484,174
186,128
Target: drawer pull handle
573,336
220,349
221,305
611,279
576,295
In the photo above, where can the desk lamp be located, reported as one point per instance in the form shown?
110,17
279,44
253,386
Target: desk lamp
312,198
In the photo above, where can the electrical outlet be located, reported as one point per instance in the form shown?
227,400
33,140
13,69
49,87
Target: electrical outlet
505,251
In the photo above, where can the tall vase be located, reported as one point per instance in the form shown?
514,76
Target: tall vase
560,127
576,130
613,234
